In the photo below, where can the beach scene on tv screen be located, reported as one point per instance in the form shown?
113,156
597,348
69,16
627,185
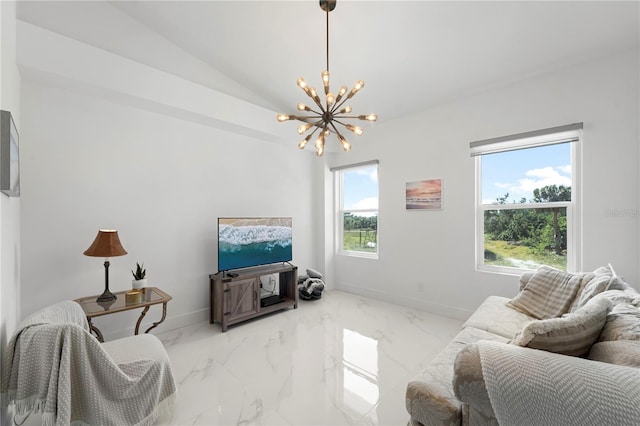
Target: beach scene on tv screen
245,242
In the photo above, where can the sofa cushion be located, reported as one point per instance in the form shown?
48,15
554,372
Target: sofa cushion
430,398
620,352
549,293
622,323
495,316
572,334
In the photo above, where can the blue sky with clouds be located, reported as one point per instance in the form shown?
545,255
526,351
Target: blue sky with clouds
361,188
519,172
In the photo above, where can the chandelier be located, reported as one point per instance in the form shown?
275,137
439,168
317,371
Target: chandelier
325,119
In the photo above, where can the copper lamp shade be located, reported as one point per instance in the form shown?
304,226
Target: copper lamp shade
107,244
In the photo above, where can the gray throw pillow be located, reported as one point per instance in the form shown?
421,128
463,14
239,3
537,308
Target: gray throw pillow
549,293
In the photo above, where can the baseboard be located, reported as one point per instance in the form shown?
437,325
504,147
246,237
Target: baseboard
411,302
171,323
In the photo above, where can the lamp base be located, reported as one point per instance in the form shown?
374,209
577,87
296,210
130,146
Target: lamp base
107,296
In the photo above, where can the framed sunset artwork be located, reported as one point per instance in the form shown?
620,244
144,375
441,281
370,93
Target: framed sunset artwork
424,195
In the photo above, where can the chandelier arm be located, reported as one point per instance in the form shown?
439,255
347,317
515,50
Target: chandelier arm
318,123
304,117
316,112
314,131
316,99
339,104
339,122
335,128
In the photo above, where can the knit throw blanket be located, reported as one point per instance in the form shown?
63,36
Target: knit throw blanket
54,366
532,387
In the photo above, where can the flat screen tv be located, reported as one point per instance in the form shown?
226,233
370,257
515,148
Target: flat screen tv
244,242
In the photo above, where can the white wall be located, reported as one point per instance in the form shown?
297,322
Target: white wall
9,206
436,249
122,145
160,181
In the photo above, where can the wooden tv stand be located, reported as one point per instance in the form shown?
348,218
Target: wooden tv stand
234,299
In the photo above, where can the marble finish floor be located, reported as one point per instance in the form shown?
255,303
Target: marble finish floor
340,360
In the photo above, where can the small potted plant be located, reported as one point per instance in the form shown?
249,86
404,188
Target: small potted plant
139,277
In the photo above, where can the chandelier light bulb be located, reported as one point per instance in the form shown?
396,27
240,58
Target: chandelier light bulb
304,127
345,110
341,93
331,98
304,141
359,85
319,144
368,117
346,146
301,83
355,129
325,81
284,117
303,107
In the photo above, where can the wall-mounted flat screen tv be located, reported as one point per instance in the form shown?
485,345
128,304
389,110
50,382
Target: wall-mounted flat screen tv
246,242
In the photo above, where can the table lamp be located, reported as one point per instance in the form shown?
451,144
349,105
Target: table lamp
107,244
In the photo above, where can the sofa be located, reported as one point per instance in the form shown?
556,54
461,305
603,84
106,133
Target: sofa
565,350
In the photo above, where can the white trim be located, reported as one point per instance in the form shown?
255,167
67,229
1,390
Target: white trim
354,165
551,136
448,311
171,323
574,210
339,211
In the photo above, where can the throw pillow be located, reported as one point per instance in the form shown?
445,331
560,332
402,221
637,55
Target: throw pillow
623,323
619,352
572,334
618,297
548,294
599,281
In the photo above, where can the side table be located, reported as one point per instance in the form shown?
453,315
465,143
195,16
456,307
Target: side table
151,296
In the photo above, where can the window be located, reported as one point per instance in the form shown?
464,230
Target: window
526,200
357,209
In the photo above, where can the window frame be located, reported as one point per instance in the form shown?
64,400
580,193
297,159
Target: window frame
340,211
571,134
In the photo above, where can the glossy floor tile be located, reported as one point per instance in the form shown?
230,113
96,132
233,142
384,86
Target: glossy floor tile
340,360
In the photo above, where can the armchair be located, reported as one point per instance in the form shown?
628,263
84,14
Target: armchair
54,366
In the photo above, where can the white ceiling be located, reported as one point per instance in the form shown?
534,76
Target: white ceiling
411,54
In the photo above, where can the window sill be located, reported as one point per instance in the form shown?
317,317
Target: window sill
359,254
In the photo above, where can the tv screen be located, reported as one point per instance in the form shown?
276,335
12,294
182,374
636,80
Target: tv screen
246,242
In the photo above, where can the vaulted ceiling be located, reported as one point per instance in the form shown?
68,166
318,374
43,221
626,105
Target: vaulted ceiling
411,54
